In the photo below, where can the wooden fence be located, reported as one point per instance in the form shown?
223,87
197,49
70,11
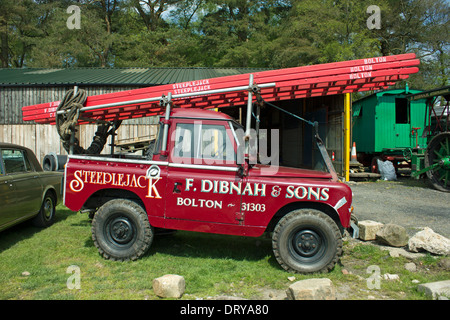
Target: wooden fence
43,139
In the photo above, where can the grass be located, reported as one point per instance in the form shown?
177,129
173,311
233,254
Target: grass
34,264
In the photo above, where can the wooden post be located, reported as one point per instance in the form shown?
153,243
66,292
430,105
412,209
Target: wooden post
347,126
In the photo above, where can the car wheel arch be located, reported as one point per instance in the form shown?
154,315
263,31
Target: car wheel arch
100,197
325,208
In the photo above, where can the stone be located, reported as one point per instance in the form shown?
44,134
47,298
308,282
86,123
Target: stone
444,264
393,235
368,229
411,266
397,252
436,290
291,278
430,241
312,289
169,286
391,277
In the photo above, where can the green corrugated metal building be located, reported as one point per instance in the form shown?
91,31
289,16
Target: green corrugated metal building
131,77
387,120
23,87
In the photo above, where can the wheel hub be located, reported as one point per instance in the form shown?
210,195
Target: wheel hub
122,230
445,163
48,209
307,243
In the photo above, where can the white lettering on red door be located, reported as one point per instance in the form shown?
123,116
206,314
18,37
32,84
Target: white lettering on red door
83,177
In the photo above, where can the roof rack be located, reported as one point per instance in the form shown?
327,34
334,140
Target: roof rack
275,85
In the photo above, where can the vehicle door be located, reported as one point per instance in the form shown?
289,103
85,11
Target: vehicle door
203,182
24,180
7,197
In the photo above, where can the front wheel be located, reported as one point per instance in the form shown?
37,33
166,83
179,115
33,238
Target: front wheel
121,230
307,241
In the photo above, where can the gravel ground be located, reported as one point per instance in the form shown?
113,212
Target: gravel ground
410,203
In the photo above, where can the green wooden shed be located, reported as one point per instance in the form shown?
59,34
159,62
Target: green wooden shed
387,125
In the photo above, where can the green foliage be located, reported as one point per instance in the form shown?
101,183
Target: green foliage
223,33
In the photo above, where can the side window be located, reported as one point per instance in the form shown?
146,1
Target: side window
216,144
15,161
184,141
1,166
210,143
401,110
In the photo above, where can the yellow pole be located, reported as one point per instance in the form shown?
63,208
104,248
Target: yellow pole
347,110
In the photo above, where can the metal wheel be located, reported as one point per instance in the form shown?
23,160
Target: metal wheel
307,244
307,241
121,230
46,215
438,154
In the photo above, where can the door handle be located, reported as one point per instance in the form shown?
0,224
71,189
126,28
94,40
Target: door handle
175,187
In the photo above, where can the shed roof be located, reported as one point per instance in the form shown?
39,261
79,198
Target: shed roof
393,92
112,76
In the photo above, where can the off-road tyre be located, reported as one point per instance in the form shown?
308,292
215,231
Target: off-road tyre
47,213
307,241
121,230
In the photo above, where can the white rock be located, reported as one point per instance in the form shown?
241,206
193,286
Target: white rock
312,289
436,290
169,286
430,241
368,229
391,277
291,278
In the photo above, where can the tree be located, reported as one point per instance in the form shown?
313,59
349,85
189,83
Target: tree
223,33
89,46
151,11
422,27
239,33
20,25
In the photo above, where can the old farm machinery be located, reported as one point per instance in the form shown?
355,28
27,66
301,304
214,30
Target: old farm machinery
434,161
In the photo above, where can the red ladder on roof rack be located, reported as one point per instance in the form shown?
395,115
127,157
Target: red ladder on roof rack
282,84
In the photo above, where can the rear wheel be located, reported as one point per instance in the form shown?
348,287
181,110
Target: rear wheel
121,230
307,241
46,215
438,151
